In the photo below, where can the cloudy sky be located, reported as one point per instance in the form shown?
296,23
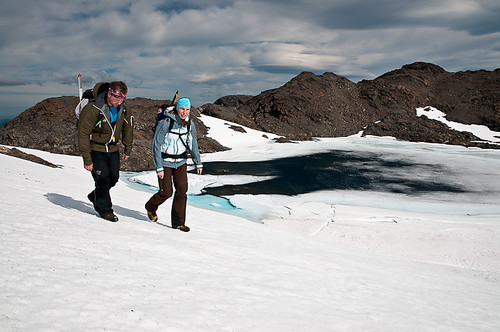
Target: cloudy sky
212,48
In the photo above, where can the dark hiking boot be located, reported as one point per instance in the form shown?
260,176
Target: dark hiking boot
182,228
91,198
152,216
110,216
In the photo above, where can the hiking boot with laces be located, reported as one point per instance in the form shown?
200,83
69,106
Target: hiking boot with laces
182,228
110,216
152,216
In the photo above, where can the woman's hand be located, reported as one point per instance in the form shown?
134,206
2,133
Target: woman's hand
161,174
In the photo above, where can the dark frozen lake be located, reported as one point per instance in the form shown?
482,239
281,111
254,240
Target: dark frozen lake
335,170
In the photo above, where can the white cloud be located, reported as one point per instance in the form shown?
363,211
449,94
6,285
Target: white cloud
277,57
216,48
445,9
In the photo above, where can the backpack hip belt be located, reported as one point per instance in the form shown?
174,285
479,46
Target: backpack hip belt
174,156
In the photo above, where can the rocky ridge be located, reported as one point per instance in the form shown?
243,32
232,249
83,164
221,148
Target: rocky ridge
307,106
329,105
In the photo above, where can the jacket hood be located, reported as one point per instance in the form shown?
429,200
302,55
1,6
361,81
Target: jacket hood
100,88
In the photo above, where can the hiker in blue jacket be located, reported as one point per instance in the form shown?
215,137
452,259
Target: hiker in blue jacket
174,137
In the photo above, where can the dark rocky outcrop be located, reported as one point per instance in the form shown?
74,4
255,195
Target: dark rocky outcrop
308,105
471,97
26,156
329,105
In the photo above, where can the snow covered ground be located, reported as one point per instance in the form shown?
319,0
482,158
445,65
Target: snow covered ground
324,261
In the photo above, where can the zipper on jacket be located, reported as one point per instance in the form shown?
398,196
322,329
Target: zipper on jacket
109,123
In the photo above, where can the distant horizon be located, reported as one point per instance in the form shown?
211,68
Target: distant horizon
8,113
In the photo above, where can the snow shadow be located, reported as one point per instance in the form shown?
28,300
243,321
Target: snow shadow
335,170
72,204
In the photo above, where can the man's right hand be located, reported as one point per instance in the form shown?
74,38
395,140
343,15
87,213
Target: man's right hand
89,167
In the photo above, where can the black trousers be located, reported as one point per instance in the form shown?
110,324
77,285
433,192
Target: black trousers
106,171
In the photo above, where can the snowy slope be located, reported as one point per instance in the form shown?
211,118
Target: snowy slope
308,265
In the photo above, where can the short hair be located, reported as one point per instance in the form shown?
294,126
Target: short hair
119,86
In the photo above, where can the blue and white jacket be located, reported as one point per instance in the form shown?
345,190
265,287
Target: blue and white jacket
169,147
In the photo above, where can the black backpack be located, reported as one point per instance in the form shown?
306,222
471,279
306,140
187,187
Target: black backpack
88,96
165,108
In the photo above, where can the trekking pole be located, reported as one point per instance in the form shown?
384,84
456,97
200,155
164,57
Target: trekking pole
80,90
174,100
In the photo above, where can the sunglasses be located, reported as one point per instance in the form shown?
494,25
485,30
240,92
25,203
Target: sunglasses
117,94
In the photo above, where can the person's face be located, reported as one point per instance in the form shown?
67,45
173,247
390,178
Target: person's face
113,100
183,112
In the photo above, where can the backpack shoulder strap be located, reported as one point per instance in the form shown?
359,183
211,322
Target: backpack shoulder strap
170,125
